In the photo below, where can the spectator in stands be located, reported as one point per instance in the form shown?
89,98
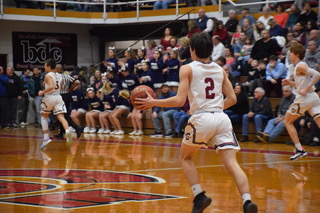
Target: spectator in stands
245,12
238,46
276,71
244,56
286,48
171,66
165,114
257,30
108,97
237,111
165,40
221,61
180,119
123,106
293,17
152,46
281,17
218,48
141,56
299,33
96,106
14,91
184,51
236,36
174,43
276,125
192,27
156,66
4,79
222,32
146,77
230,60
128,60
111,77
265,17
23,104
260,112
315,36
264,48
79,105
256,76
129,80
204,23
312,56
111,63
82,7
232,23
275,29
307,14
162,4
205,2
228,70
95,78
311,25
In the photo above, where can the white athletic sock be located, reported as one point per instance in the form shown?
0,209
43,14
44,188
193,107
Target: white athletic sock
67,130
196,189
298,146
46,136
245,197
44,124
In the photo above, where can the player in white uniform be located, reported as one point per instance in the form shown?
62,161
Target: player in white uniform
52,101
204,83
304,79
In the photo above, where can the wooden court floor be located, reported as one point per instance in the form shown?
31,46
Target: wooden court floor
100,173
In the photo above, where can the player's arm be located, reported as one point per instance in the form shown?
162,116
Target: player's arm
175,101
303,69
228,91
49,81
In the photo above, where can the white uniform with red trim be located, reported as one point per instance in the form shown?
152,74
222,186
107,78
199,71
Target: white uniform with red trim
53,100
208,125
302,103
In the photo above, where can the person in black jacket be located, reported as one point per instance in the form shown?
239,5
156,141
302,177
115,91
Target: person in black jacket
260,112
236,111
3,97
14,91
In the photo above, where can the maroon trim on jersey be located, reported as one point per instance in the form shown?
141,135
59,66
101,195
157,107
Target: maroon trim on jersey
234,143
194,135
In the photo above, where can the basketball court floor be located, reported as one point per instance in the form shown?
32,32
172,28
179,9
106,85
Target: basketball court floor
100,173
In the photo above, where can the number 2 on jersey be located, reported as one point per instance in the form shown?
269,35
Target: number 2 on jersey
209,89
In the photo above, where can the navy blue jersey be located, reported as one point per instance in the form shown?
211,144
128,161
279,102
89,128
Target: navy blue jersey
96,103
111,98
173,65
148,75
129,82
115,82
78,100
156,68
130,64
114,64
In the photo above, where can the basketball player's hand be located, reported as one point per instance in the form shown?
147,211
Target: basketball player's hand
286,82
304,91
40,93
144,103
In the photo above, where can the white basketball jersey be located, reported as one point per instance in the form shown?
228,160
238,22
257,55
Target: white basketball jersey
301,81
205,92
56,77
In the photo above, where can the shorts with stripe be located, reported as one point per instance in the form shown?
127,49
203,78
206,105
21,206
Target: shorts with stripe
53,103
309,102
210,129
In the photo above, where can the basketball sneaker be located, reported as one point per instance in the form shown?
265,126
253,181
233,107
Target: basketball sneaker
299,154
100,131
249,207
156,135
200,202
138,133
69,138
86,130
133,132
45,142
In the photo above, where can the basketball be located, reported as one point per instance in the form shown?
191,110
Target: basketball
140,92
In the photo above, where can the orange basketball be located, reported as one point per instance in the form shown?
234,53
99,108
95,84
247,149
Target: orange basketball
140,92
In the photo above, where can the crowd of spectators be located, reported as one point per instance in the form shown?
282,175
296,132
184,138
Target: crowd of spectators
256,49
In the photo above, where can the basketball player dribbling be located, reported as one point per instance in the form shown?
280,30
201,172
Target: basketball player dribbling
204,83
52,101
304,79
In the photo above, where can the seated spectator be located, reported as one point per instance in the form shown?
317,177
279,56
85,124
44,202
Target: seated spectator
307,14
181,119
286,48
192,27
129,80
218,48
79,105
281,17
245,12
227,68
229,57
236,36
276,71
247,28
275,29
293,17
141,56
265,17
257,30
111,63
310,25
123,106
260,112
162,4
299,33
93,114
312,56
152,46
128,60
205,2
275,126
95,78
237,111
314,35
172,67
184,51
231,23
165,114
108,94
146,77
238,46
244,56
174,42
82,7
111,77
156,67
222,32
256,76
